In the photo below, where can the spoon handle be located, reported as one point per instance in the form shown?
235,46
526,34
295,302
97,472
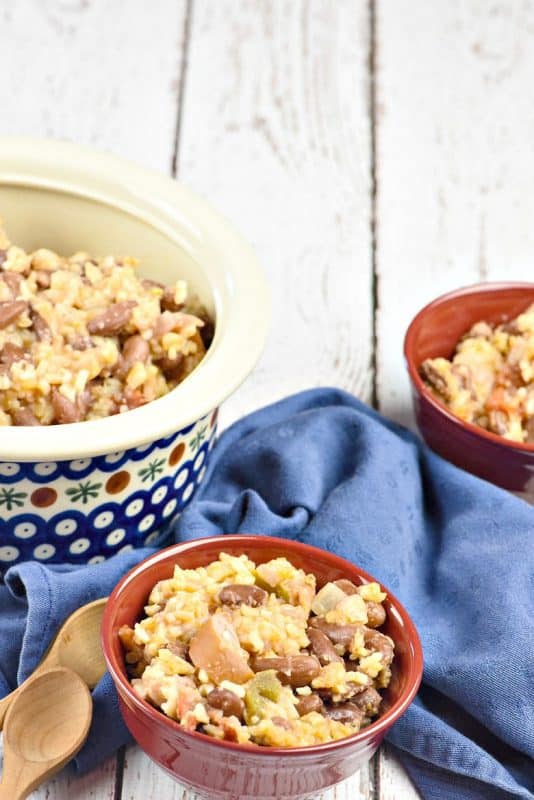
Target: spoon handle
12,788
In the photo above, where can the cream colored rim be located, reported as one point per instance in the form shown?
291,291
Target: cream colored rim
157,200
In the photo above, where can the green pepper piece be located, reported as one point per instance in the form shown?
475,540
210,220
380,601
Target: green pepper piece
263,686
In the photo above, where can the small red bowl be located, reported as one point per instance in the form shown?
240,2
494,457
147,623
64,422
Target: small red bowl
434,332
224,770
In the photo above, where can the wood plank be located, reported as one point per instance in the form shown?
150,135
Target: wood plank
97,785
99,73
454,173
142,778
275,133
454,162
394,783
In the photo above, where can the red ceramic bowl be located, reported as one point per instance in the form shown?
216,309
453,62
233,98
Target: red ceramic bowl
434,332
216,769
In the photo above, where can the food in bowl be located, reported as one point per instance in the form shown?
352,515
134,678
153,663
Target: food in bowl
81,493
255,653
230,769
433,333
83,338
489,380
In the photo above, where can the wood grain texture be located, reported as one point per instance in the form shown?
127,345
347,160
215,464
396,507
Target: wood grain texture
454,172
275,132
99,73
454,162
96,72
97,785
393,782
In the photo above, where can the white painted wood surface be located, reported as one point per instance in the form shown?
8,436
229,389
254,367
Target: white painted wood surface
275,131
454,165
96,72
266,108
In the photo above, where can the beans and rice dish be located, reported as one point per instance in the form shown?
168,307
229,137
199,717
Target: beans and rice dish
83,337
249,653
489,380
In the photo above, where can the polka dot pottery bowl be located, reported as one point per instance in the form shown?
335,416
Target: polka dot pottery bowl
82,492
87,509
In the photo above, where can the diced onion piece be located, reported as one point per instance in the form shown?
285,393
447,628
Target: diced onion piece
327,599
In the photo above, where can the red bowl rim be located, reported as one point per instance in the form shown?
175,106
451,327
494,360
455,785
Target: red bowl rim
378,727
422,389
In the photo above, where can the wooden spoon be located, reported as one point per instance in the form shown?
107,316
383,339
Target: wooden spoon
46,725
76,646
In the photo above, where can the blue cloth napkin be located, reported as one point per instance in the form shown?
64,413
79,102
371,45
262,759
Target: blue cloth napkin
323,468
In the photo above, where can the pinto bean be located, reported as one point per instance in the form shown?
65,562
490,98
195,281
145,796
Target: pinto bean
291,670
40,326
12,281
23,416
81,343
148,283
42,279
172,368
338,634
134,398
310,703
165,323
168,302
322,647
177,648
509,327
65,410
374,640
174,321
376,614
10,310
207,332
134,350
226,701
368,701
464,376
346,586
351,688
10,353
432,376
348,713
498,422
83,402
237,594
112,320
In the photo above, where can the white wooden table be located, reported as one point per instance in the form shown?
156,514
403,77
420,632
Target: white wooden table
375,152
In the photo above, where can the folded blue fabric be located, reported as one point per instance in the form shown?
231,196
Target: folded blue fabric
323,468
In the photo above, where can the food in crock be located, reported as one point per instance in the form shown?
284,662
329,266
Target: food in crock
490,379
83,338
252,653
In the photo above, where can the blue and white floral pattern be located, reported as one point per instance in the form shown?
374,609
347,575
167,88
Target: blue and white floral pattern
86,510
